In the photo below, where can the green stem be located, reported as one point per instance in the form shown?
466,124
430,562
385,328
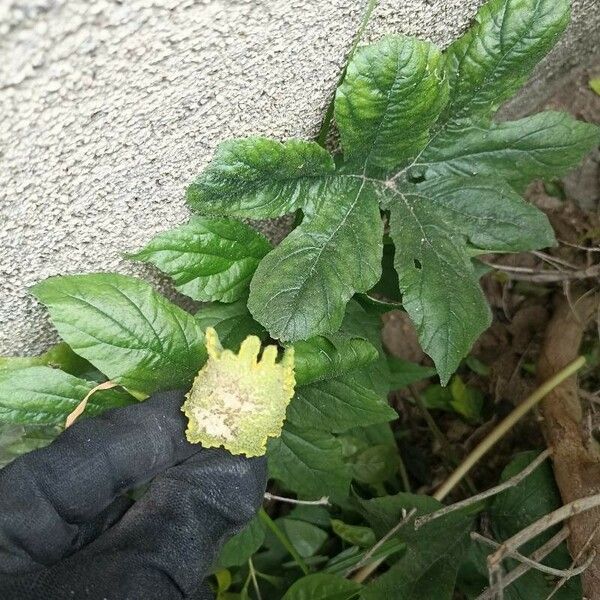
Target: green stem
403,473
280,535
448,456
326,125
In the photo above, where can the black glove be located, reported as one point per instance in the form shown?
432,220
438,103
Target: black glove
67,532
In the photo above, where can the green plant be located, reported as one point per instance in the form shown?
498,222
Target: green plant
426,183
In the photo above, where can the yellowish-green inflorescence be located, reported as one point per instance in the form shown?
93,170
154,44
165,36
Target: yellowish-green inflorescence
238,401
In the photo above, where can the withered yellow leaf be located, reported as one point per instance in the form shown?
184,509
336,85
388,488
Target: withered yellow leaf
238,401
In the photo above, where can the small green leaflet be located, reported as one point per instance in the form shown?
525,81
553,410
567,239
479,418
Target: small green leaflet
403,373
308,462
323,586
125,329
208,259
357,535
418,140
46,396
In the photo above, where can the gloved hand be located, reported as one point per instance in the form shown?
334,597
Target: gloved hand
67,531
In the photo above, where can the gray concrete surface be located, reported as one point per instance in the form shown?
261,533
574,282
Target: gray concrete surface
109,107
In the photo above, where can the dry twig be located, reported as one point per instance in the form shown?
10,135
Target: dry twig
557,516
509,483
520,570
324,501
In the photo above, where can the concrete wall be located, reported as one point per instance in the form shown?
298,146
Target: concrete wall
108,108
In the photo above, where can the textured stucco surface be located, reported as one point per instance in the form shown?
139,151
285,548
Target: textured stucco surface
108,108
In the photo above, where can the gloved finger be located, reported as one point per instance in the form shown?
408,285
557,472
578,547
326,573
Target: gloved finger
172,534
90,530
47,495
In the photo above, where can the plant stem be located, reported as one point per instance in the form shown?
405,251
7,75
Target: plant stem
254,580
403,473
280,535
326,124
450,456
505,426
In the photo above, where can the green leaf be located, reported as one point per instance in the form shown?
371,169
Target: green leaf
305,537
208,259
232,322
495,57
259,178
60,356
430,564
338,404
335,252
238,549
375,464
46,396
356,535
308,462
467,401
125,329
392,93
404,373
325,357
317,515
16,440
323,586
595,85
486,211
431,225
430,261
543,146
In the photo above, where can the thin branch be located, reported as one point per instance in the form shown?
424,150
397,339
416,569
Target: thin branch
539,526
554,261
588,561
324,501
370,568
509,483
538,555
538,566
546,276
579,247
505,426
